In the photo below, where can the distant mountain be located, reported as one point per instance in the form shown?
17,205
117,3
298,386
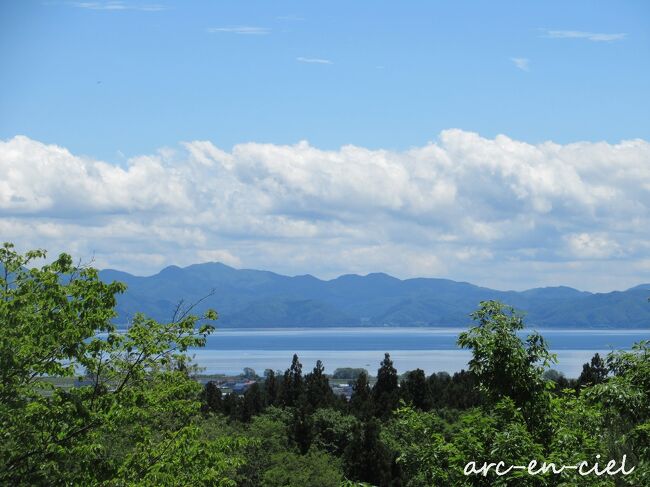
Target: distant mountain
252,298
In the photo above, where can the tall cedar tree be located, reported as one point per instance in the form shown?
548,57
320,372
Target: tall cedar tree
361,400
367,458
317,385
292,383
459,391
385,392
253,402
414,390
271,387
301,425
212,401
231,405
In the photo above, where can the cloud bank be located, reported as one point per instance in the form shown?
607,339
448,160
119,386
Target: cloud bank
497,212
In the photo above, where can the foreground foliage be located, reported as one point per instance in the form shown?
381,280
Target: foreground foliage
139,417
134,419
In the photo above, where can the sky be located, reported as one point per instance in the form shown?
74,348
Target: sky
505,143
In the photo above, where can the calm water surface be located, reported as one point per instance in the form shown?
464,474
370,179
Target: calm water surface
431,349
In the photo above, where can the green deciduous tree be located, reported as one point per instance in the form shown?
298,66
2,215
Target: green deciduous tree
313,469
625,400
506,367
332,430
133,418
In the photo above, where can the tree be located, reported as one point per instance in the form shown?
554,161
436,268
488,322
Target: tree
625,399
439,385
424,455
463,391
349,373
212,397
559,380
332,430
414,389
301,426
317,387
253,402
594,372
231,405
366,458
292,470
361,400
270,387
385,391
507,367
135,415
292,383
249,373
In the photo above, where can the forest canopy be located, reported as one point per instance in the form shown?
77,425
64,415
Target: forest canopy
82,403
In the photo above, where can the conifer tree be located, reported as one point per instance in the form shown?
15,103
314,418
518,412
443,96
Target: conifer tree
361,400
318,390
301,425
385,392
594,372
270,387
292,383
212,397
366,458
252,403
414,390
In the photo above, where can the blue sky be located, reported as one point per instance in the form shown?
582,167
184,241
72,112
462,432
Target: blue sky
501,142
400,72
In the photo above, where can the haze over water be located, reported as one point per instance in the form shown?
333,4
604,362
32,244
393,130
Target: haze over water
431,349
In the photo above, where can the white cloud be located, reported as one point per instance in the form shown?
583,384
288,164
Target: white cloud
291,18
116,6
593,246
216,255
590,36
241,30
496,211
313,60
521,63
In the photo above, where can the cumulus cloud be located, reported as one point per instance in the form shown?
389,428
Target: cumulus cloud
498,211
593,246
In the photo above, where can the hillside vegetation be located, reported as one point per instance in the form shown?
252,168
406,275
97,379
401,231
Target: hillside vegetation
264,299
138,417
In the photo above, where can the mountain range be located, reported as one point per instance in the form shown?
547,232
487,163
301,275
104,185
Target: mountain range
254,298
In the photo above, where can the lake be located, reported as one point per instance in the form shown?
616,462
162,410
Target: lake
228,351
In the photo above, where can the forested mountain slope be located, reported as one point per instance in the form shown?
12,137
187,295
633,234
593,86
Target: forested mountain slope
256,298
